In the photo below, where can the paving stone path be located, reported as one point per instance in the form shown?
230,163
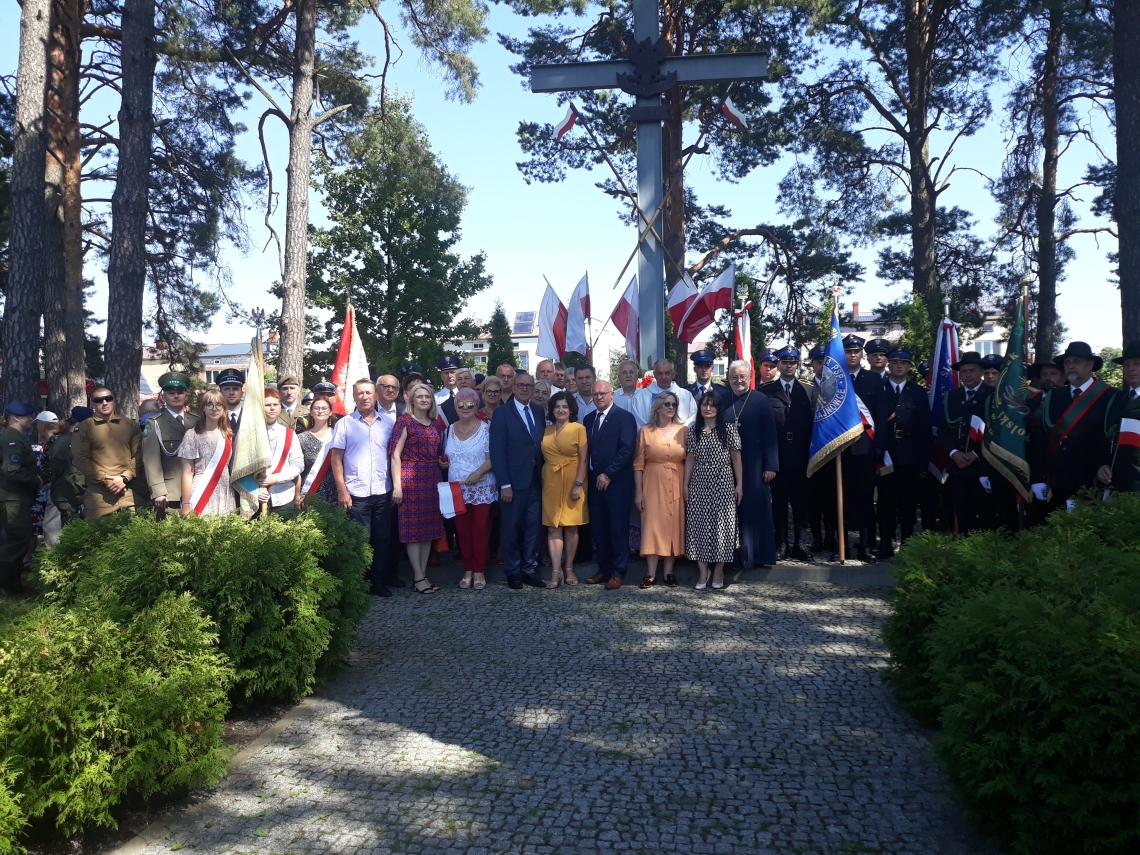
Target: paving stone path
582,721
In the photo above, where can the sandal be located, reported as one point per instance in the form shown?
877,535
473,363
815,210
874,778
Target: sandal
571,579
430,589
465,582
647,581
555,580
480,582
671,581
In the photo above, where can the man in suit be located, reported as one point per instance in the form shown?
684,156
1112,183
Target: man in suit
703,361
1123,470
516,459
611,435
902,435
823,501
793,408
1070,443
859,457
162,467
231,383
959,406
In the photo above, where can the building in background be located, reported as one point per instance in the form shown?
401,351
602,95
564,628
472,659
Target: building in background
524,338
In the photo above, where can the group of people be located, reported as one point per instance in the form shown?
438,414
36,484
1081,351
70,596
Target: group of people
550,463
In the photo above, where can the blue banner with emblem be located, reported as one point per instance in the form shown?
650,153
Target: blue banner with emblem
837,422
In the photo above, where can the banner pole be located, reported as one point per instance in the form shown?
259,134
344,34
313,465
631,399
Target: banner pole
841,528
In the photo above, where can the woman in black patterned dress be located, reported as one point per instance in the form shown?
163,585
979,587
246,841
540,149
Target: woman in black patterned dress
712,490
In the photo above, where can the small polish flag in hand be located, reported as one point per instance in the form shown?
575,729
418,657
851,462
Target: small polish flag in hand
977,429
1129,433
563,127
734,115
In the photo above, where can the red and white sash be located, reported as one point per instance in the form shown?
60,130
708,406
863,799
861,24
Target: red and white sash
282,451
212,474
321,467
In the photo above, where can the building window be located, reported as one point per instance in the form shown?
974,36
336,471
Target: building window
478,346
718,370
988,327
523,359
881,331
481,359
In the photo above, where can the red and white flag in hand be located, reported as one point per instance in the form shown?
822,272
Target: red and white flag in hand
718,294
624,318
977,429
551,326
351,364
734,115
563,127
1129,433
867,419
681,297
576,314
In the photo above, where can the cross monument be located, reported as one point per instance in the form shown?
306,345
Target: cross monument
647,73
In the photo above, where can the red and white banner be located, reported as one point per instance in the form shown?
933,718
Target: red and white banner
563,127
624,318
743,327
551,326
1129,433
977,429
867,418
720,293
451,499
577,314
734,115
351,364
211,475
681,297
320,468
283,446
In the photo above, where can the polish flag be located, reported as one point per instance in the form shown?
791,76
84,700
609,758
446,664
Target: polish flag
624,318
563,127
1129,433
718,294
680,298
744,341
576,314
977,429
351,364
734,115
867,419
451,502
551,326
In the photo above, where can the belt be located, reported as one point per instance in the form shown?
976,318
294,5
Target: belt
789,437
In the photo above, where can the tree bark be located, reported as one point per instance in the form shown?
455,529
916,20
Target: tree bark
292,353
64,363
673,173
923,194
126,268
27,243
1126,61
1045,344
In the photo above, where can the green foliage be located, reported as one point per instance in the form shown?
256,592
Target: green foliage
260,582
918,332
11,816
93,708
500,349
1110,372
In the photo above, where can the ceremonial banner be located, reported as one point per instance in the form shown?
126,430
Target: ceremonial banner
251,444
563,127
942,379
720,293
743,327
624,318
1004,444
837,419
551,326
576,315
351,364
734,115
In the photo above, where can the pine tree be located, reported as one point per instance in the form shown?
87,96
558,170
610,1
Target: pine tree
500,350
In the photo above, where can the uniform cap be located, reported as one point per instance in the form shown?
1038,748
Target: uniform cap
817,352
324,387
992,360
81,414
230,377
853,342
447,362
901,353
308,399
706,355
174,380
788,354
878,345
411,368
288,380
768,356
924,367
47,416
19,408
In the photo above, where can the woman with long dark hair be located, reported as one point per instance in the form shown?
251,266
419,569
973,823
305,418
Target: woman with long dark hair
712,490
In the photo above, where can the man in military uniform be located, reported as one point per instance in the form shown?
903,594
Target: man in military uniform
289,388
106,450
902,432
1123,470
703,368
447,366
66,482
793,407
859,457
959,406
19,484
823,507
877,350
231,383
1070,443
162,467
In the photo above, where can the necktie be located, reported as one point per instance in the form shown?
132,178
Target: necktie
179,417
233,422
969,395
1135,394
898,391
788,389
598,423
529,421
1076,394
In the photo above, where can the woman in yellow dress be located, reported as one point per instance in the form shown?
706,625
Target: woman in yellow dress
658,467
563,485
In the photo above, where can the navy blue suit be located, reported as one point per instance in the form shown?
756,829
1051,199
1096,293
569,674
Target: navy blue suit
516,460
611,448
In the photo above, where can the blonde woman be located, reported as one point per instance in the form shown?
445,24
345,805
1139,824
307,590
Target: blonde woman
414,447
492,397
541,396
658,470
206,452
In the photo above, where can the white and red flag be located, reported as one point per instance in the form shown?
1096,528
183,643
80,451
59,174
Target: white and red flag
867,419
743,327
977,429
680,298
551,326
1129,433
624,318
563,127
577,313
718,294
734,115
351,364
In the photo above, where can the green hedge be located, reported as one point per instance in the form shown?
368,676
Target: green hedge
1027,651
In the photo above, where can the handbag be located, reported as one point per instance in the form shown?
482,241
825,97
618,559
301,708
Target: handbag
451,502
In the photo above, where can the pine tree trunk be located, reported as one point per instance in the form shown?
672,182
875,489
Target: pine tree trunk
27,243
923,197
1127,88
291,356
64,363
673,214
126,267
1045,344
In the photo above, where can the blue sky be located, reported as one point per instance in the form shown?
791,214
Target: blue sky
560,230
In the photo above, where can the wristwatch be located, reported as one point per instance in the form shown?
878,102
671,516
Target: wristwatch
577,483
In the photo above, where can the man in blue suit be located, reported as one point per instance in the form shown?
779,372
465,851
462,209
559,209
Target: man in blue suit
611,436
516,459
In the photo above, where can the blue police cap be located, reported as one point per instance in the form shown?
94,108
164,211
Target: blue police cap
450,361
19,408
817,352
789,353
81,414
992,360
853,342
705,355
324,387
878,345
901,353
768,356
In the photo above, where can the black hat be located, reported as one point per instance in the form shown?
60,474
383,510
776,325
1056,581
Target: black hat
878,345
479,378
230,377
707,355
993,360
900,353
1130,352
788,354
1081,350
817,352
970,357
324,387
175,380
853,342
81,414
445,363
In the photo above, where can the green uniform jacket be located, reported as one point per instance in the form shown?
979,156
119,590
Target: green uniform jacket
67,482
1126,468
18,478
161,465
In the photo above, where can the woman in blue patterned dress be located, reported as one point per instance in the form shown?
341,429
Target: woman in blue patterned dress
414,447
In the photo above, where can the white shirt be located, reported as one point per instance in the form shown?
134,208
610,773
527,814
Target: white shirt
366,470
523,410
584,407
621,399
643,404
283,491
898,387
444,394
1083,388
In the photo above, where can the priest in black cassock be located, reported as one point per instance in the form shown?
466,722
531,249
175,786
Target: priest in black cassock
760,456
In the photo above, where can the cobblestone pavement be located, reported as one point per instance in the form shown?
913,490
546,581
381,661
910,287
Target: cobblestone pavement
585,721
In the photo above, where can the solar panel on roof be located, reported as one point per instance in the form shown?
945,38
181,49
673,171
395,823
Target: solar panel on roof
524,323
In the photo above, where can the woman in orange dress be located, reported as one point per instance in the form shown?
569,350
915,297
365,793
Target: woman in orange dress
563,485
658,473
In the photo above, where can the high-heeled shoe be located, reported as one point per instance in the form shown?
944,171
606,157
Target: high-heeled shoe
555,580
570,581
703,581
718,585
430,589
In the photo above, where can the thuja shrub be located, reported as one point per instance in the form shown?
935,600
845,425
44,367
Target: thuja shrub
93,709
11,817
260,582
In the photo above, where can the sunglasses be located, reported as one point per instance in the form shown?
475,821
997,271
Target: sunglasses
467,406
103,399
669,404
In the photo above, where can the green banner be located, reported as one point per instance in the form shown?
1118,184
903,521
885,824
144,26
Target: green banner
1008,422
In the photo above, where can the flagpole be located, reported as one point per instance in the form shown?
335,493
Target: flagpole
841,529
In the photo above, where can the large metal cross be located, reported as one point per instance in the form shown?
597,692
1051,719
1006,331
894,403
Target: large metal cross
647,74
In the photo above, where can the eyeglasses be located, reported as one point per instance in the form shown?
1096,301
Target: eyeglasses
213,405
466,406
391,388
103,399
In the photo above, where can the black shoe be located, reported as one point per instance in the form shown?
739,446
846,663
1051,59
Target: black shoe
380,592
864,555
800,554
533,580
515,583
781,552
885,554
395,582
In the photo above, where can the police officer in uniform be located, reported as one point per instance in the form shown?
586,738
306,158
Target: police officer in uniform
231,383
162,436
859,457
447,366
959,406
902,430
793,407
878,350
19,484
991,369
823,508
769,368
702,369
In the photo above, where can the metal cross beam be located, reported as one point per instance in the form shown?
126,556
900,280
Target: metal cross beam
647,73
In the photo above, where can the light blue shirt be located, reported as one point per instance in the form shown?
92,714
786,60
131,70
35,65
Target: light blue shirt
366,470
